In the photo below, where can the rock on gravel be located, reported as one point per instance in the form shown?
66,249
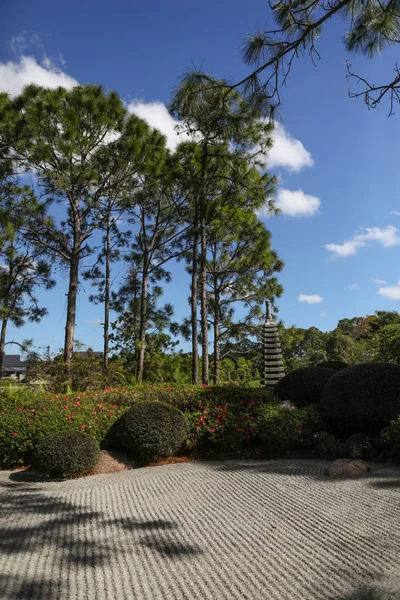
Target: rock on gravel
347,468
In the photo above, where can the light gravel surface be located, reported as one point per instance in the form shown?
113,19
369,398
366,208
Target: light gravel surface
270,530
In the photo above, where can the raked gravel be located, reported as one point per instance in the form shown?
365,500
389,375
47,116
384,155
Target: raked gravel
270,530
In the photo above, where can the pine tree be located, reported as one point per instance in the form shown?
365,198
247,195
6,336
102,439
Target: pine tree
227,142
100,273
24,266
240,272
83,149
159,239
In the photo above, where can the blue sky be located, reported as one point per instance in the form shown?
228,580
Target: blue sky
336,161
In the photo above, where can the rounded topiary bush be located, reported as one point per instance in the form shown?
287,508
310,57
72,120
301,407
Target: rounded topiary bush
336,365
329,447
149,430
66,453
360,446
303,386
363,398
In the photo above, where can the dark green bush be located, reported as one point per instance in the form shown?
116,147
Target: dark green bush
281,429
66,453
329,447
360,445
303,386
389,441
149,430
336,365
363,398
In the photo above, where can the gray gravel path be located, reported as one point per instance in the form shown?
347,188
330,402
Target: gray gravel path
273,530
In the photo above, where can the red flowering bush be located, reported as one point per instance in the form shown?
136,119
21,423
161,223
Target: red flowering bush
281,429
27,417
229,427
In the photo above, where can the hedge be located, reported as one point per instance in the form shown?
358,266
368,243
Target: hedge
303,386
363,398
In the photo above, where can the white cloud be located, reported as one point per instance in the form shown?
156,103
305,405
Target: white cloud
14,76
324,314
296,203
391,292
395,212
157,116
287,152
354,286
379,281
94,321
310,299
387,236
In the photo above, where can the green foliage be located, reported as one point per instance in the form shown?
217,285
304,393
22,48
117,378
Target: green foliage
281,429
303,386
388,341
149,430
362,398
328,447
28,416
87,372
360,446
371,28
66,454
336,365
390,440
229,427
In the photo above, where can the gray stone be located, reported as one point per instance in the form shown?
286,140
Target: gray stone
347,468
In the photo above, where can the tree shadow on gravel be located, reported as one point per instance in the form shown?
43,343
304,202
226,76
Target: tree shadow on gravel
33,519
25,588
380,591
386,484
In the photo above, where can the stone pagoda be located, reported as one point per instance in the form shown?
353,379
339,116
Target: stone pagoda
273,369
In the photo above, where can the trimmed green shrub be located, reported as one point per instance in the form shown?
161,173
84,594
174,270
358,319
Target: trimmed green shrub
303,386
149,430
329,447
389,441
336,365
363,398
281,429
360,445
66,453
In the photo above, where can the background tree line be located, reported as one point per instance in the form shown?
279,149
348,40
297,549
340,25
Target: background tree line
84,187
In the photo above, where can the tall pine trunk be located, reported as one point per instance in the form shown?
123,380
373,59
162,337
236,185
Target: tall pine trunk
193,306
107,294
71,309
143,321
3,342
203,301
217,350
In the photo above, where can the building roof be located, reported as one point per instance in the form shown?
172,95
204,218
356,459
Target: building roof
13,361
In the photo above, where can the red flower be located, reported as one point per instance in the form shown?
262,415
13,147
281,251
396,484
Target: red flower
14,433
82,427
20,409
299,431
